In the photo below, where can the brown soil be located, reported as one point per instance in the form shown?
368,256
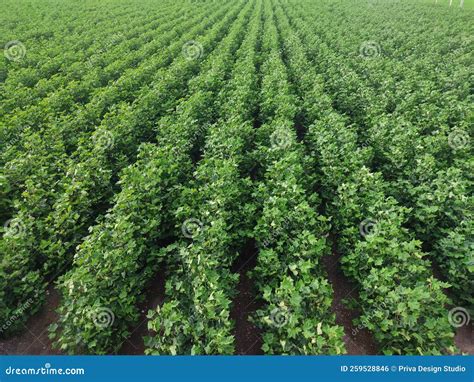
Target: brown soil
358,340
465,339
155,296
300,128
248,340
34,339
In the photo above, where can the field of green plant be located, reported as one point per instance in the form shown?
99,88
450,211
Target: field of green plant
230,150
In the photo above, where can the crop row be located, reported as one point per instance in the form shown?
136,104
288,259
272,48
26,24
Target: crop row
49,48
75,107
43,155
401,302
58,217
39,57
214,215
296,315
122,253
25,86
419,137
177,137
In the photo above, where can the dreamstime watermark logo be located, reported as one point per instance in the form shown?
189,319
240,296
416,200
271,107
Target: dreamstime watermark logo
370,49
103,139
18,313
14,228
193,50
458,317
14,50
45,370
102,317
279,317
191,228
368,227
281,139
458,139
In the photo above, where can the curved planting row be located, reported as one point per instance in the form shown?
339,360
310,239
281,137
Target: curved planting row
42,156
401,302
296,317
78,105
97,66
40,57
428,170
52,220
114,264
27,90
214,215
52,48
422,87
374,69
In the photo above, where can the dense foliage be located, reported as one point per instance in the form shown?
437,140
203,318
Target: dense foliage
169,138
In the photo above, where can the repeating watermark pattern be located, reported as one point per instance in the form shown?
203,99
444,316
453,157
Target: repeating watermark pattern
103,139
191,228
279,317
368,227
458,317
17,315
14,228
281,139
370,49
458,139
14,50
16,138
102,317
193,50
